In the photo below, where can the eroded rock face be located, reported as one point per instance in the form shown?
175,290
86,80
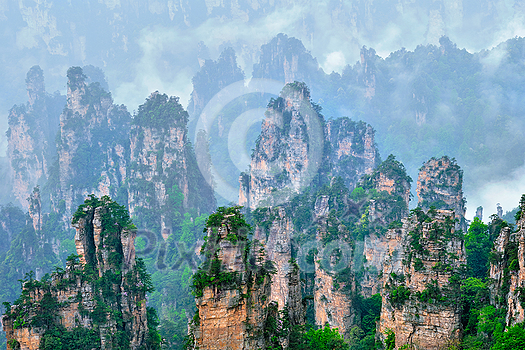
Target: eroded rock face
285,59
440,184
367,75
213,76
91,124
353,152
295,150
332,292
277,239
289,151
163,167
231,315
389,179
30,137
507,271
105,277
421,282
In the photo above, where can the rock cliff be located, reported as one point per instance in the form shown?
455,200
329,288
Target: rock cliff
232,288
507,270
98,300
296,149
334,283
288,152
164,179
275,231
30,137
212,77
421,282
93,144
285,59
440,184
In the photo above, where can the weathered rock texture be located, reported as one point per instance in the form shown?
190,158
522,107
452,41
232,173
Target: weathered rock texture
232,314
440,184
93,147
30,137
367,74
103,291
377,249
288,152
285,59
334,283
422,282
164,177
507,271
352,151
295,150
388,207
213,76
275,232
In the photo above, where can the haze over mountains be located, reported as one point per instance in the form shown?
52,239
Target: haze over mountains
143,46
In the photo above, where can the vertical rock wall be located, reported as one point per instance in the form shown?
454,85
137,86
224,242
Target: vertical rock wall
288,152
507,270
30,137
93,146
163,166
421,283
231,315
296,149
105,277
332,294
440,184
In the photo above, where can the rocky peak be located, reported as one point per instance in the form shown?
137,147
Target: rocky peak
212,77
232,287
353,152
286,59
35,209
76,88
35,86
98,300
295,150
91,124
102,246
421,282
288,151
164,177
30,137
440,184
507,269
367,74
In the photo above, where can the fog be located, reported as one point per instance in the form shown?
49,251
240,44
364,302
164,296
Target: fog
144,46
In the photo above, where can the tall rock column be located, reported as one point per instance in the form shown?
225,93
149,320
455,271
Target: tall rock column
289,151
30,137
98,301
421,282
232,288
91,125
275,230
507,270
297,149
334,279
165,180
440,184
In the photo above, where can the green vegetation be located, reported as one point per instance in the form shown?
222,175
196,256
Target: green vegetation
229,221
300,337
161,112
478,246
108,288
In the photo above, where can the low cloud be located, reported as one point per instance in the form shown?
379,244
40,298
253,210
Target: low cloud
506,192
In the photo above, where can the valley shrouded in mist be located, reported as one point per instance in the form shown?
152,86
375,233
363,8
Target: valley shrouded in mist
360,138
